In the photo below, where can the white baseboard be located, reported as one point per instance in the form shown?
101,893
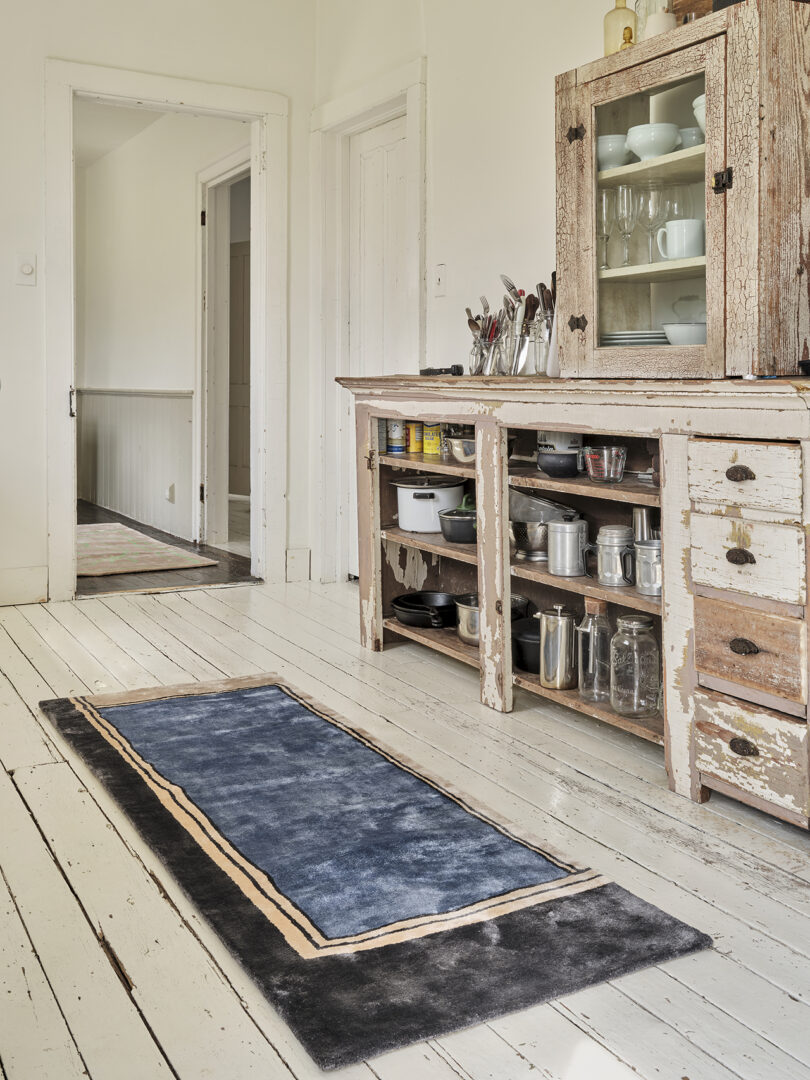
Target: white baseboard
25,585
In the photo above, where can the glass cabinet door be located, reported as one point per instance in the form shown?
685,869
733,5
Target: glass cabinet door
653,294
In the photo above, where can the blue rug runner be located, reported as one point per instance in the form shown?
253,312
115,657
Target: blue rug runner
372,906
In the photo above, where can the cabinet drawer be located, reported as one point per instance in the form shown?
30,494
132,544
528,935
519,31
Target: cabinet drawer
761,754
752,649
753,557
760,476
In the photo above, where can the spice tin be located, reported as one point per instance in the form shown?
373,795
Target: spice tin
432,440
396,437
414,428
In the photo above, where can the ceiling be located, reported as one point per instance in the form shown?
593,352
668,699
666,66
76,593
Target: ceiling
98,129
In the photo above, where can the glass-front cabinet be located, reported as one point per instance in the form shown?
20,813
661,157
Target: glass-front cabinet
650,278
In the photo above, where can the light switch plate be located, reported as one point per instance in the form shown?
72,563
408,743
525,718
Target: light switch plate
25,269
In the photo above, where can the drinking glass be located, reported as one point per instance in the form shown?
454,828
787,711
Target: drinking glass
605,219
653,206
679,199
626,216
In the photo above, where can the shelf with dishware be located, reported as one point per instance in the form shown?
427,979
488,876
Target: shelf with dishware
433,543
650,728
626,596
680,167
444,640
652,272
629,490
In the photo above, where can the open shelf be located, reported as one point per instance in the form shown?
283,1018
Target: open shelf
435,543
444,641
651,729
628,491
669,270
681,167
626,596
428,464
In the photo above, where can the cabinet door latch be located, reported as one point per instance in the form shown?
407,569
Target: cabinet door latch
723,181
576,133
370,460
577,323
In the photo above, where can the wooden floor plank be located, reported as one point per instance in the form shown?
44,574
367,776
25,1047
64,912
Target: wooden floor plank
83,981
35,1041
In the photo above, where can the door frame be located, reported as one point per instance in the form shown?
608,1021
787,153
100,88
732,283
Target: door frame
267,114
398,93
212,452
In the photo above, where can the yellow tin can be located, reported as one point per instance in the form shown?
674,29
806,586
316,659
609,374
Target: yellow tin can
432,440
414,437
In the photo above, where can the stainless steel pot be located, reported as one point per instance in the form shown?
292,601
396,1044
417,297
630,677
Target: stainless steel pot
566,547
615,556
468,624
558,651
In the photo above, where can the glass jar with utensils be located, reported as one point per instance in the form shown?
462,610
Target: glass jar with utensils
635,668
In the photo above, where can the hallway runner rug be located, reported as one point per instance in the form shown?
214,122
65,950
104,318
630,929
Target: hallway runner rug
116,549
374,906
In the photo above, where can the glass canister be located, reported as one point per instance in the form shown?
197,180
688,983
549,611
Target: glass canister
593,652
635,668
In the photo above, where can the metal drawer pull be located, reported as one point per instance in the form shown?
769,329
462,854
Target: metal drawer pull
740,556
743,647
743,748
738,473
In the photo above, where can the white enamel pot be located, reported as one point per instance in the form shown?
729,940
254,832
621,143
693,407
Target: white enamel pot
420,498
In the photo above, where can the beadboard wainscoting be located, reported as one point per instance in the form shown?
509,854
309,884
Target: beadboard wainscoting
135,448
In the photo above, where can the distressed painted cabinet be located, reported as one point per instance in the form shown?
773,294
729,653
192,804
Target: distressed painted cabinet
735,519
748,266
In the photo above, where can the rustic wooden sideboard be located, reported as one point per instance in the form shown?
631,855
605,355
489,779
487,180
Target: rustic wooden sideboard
734,504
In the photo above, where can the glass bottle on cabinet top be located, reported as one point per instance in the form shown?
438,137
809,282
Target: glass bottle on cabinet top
651,217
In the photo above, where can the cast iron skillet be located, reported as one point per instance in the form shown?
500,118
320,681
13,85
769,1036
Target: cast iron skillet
431,610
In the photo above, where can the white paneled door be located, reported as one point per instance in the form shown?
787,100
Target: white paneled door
380,341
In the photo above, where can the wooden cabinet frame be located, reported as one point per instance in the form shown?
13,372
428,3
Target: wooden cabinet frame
756,55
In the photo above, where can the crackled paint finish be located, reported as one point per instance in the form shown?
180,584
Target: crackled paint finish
409,566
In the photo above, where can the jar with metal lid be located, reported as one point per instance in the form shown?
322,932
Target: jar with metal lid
649,570
615,555
558,655
593,652
635,668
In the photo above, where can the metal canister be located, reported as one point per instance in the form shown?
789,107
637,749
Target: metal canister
414,436
432,440
396,437
649,570
566,547
615,555
558,651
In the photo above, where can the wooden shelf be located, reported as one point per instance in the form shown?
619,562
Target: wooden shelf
651,729
444,641
432,542
683,167
428,464
628,491
669,270
628,596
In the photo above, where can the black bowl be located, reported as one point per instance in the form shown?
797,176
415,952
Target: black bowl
561,464
458,526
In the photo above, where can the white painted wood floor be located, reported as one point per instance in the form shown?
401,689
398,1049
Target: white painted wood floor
107,972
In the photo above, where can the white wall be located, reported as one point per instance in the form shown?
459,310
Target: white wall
266,44
490,115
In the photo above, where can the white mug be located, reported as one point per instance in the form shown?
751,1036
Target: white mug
684,239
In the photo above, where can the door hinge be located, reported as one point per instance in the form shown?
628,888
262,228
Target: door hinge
370,460
577,323
576,133
72,401
202,492
723,181
202,217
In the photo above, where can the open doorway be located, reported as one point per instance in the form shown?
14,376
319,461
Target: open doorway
140,524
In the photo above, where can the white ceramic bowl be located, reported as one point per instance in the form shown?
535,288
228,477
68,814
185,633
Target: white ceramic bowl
692,136
653,140
699,109
685,333
611,151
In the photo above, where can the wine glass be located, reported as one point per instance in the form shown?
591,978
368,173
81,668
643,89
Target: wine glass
653,207
626,216
679,199
605,219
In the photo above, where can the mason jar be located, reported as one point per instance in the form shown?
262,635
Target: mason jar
635,668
